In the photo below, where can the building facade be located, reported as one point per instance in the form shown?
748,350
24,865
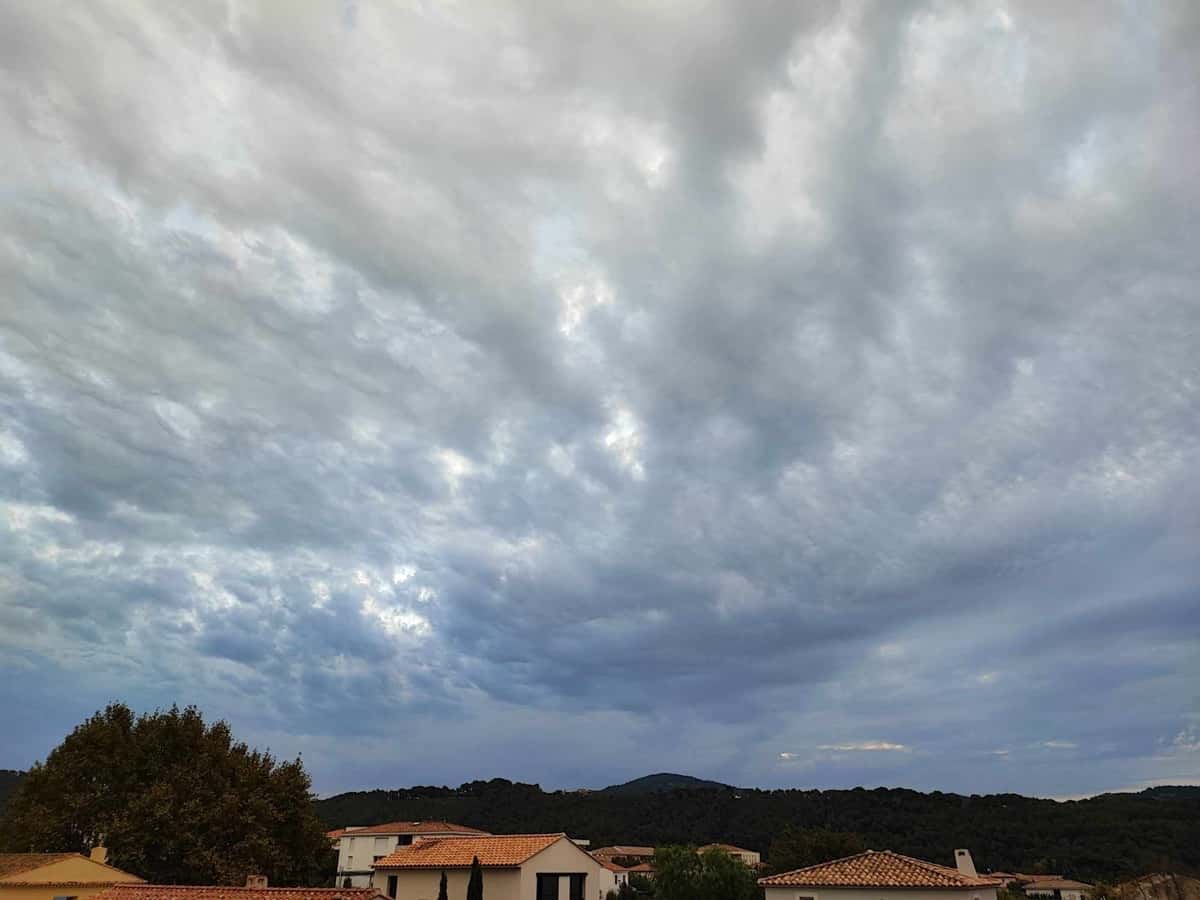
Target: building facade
515,867
359,848
882,875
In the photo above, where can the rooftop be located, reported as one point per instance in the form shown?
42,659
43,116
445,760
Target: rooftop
17,863
878,869
493,851
420,826
215,892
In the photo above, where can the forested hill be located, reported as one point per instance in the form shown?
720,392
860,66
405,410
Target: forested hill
9,779
1103,838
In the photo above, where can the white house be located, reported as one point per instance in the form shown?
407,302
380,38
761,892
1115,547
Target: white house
882,875
515,867
751,858
359,847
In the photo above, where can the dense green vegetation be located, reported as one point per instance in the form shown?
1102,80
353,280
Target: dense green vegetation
680,873
174,799
663,781
9,779
1108,838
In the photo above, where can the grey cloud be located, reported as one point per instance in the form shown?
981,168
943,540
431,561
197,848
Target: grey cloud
750,378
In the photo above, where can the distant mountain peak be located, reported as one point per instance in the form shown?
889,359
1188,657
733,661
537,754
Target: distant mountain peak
665,781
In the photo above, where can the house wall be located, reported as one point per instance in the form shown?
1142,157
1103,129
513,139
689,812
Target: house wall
422,884
564,857
75,877
792,893
356,854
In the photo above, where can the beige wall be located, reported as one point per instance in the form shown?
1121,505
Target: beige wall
74,877
564,857
422,884
561,857
791,893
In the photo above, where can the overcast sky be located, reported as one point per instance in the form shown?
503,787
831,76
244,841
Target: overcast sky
790,394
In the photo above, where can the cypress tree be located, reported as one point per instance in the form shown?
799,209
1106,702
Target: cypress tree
475,884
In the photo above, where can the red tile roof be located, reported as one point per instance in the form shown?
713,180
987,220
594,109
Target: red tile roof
215,892
494,851
16,863
417,827
1056,883
624,850
728,848
877,869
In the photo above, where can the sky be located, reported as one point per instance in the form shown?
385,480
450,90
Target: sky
791,394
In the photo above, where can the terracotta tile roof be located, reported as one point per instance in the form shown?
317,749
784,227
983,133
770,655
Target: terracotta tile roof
215,892
728,848
624,850
16,863
498,850
1056,884
877,869
416,827
644,868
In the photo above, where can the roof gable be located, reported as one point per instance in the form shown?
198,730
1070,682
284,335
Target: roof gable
20,863
878,869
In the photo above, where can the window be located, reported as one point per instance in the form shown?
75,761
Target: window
405,840
392,880
547,887
577,886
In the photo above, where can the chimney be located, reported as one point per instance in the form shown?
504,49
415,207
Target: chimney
99,854
256,881
964,863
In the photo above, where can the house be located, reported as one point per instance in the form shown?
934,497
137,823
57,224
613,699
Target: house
749,857
515,867
882,875
619,872
359,847
1058,888
625,854
256,889
57,876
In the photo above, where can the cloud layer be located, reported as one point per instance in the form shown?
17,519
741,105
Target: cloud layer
792,394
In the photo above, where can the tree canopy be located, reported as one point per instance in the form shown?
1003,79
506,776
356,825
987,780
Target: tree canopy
795,848
680,873
1110,837
175,800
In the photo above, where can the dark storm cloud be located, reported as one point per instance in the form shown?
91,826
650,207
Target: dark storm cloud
787,393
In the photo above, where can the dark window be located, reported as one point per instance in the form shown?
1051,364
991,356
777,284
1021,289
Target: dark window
577,886
547,887
392,879
405,840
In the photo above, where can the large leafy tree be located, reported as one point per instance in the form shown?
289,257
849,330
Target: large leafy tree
680,873
174,799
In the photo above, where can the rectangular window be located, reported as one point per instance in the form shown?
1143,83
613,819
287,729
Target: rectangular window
405,840
577,882
547,887
392,879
